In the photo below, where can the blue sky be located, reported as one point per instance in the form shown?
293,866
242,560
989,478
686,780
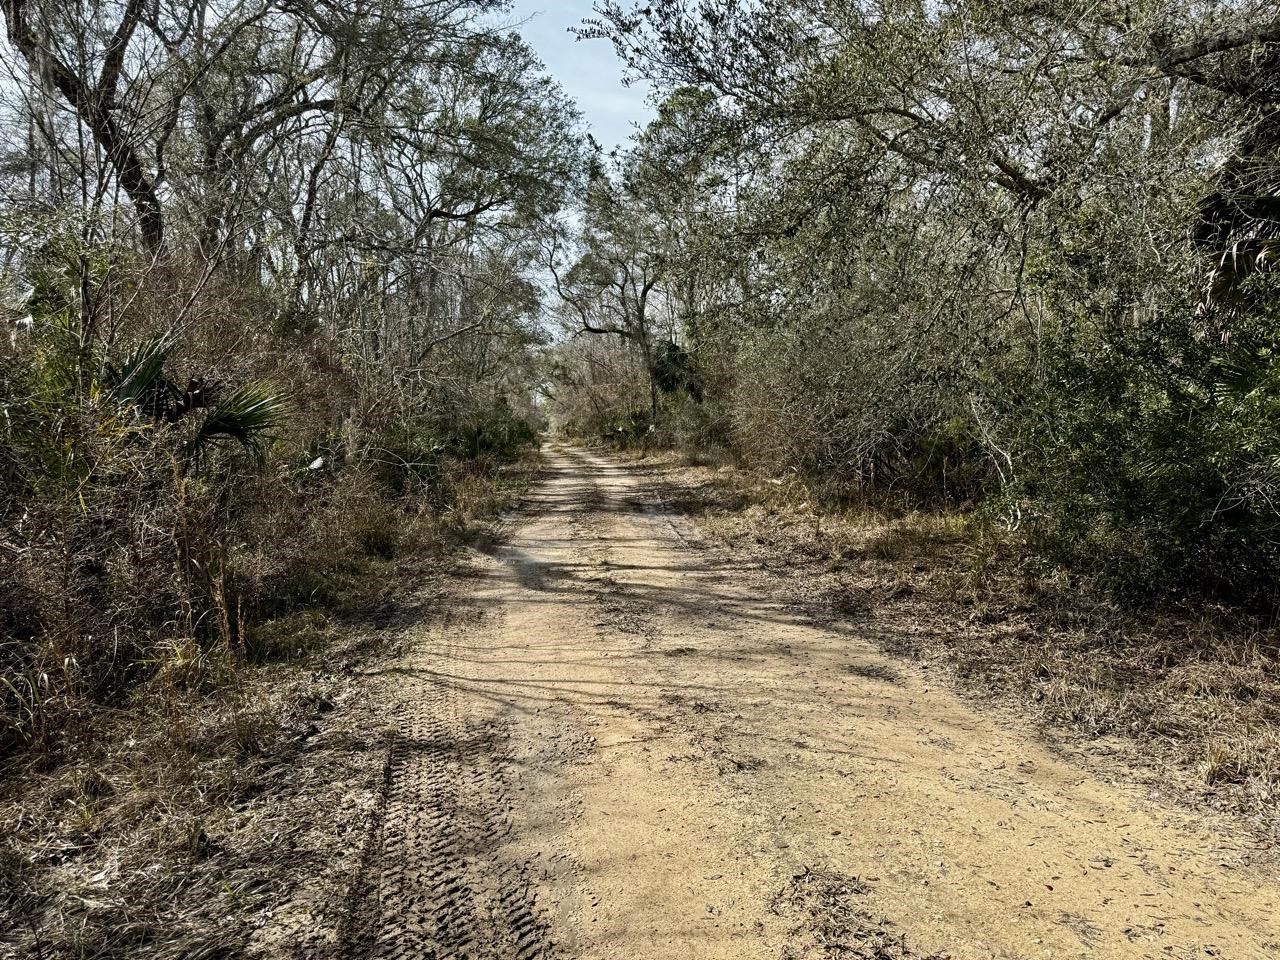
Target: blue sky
587,69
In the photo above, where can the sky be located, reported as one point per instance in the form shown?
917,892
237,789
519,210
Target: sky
587,69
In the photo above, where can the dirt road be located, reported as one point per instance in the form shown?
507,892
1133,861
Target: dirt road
621,747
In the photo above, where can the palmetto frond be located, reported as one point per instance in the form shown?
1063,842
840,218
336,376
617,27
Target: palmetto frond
1242,260
245,417
140,380
140,371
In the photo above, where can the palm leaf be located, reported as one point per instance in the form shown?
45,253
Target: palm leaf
142,372
245,417
1238,375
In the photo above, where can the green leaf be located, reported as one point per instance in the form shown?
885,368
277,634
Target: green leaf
141,372
245,417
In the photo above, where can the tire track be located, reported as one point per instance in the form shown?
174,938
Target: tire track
443,888
437,882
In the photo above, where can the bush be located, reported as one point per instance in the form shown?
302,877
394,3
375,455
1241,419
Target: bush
117,510
1151,457
411,452
863,422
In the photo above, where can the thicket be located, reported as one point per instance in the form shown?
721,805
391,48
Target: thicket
983,254
270,314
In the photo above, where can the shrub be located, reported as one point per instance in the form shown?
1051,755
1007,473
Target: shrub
1150,456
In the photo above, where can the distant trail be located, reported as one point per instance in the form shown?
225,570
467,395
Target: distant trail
623,748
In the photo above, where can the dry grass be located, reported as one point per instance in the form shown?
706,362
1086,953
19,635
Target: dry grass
226,790
830,920
1188,698
158,837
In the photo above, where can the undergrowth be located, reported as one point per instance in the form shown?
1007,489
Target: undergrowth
164,823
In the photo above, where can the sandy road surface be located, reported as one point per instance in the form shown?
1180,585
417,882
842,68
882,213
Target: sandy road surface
620,747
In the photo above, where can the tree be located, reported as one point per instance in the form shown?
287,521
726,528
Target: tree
916,243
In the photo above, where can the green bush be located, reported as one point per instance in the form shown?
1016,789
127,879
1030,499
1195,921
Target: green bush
412,451
1150,456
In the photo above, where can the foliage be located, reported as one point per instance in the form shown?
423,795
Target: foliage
270,309
983,253
1151,457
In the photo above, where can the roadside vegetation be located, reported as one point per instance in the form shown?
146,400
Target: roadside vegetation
995,280
269,319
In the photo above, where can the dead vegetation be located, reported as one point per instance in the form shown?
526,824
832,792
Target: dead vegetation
194,817
829,922
1189,695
